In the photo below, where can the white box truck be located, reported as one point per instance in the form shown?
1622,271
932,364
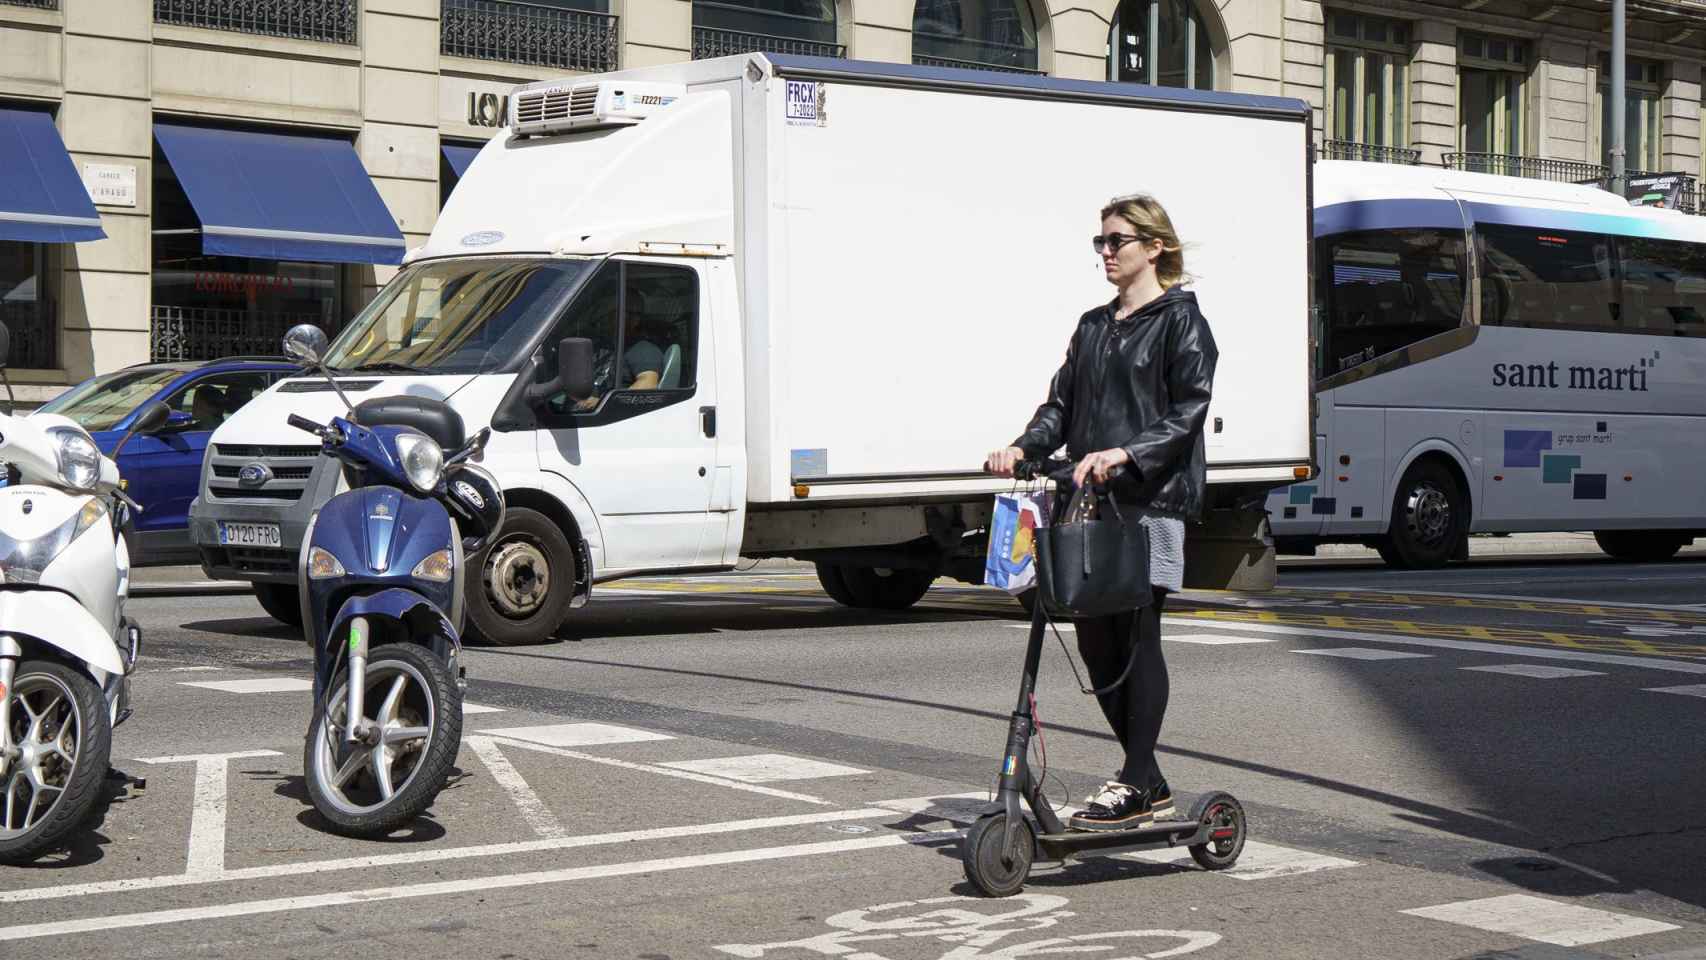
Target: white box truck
818,292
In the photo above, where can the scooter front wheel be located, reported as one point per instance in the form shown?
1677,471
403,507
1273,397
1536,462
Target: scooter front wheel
383,781
60,729
991,868
1222,817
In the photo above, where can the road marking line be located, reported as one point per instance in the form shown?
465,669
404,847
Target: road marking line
1364,653
765,768
512,848
260,685
1692,690
577,734
951,807
533,809
1259,861
195,669
1062,627
1537,671
1545,921
207,813
1502,649
469,709
447,887
666,771
1538,601
1214,639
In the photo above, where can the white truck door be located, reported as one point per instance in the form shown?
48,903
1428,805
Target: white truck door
639,448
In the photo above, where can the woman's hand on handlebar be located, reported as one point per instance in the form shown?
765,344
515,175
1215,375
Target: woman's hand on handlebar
1002,462
1099,466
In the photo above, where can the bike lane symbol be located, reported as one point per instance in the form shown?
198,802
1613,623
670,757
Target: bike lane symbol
963,923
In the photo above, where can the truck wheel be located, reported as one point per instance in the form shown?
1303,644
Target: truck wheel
281,601
880,588
1428,518
1641,546
835,584
525,580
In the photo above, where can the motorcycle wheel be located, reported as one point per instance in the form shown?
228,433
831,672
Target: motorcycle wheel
59,721
370,789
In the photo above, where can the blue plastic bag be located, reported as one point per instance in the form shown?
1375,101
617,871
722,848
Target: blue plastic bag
1011,562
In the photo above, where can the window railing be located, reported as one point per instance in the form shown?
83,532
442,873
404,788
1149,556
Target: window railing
35,337
329,20
38,4
710,42
924,60
205,333
528,33
1372,152
1563,171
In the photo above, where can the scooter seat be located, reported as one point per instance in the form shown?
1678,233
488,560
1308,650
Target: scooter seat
435,418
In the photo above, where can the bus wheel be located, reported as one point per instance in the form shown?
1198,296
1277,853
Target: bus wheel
1428,518
1641,546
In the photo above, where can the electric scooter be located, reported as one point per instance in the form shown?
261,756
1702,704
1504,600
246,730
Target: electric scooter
1001,846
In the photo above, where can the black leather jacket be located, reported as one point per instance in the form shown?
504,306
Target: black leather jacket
1142,384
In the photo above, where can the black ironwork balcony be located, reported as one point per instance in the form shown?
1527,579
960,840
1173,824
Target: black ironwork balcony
710,42
1534,168
528,33
1371,152
207,333
924,60
38,4
329,20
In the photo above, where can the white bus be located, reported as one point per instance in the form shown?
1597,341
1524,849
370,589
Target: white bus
1499,354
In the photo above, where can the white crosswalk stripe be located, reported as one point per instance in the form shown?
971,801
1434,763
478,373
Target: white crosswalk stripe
1537,671
1541,920
765,768
256,685
1259,861
1691,690
577,734
1364,653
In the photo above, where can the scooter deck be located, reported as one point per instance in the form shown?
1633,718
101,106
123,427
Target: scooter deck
1160,833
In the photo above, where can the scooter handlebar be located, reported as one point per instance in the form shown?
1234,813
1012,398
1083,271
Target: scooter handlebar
304,424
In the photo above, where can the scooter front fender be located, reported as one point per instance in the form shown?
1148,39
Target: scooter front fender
429,626
57,620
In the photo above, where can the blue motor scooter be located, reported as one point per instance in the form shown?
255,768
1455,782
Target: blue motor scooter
381,584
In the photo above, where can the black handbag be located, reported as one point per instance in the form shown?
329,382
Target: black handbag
1095,562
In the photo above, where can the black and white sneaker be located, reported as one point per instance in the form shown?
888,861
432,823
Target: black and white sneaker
1117,806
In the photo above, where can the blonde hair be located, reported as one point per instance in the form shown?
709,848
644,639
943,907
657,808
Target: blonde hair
1150,218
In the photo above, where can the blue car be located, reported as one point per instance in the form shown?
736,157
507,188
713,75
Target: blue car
162,471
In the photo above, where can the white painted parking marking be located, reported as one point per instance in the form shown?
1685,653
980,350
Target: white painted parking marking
1537,671
1692,690
1364,653
1214,639
1062,627
194,669
1259,861
250,908
207,813
765,768
952,807
259,685
577,734
469,709
533,809
1545,921
666,771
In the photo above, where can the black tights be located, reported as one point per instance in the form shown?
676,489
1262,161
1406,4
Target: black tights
1135,708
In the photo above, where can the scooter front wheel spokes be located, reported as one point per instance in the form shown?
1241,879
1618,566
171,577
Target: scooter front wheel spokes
362,777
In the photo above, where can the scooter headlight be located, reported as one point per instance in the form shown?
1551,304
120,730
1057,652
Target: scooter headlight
79,458
322,565
435,567
423,460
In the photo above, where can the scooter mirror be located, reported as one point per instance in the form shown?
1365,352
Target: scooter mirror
152,419
5,345
305,342
574,366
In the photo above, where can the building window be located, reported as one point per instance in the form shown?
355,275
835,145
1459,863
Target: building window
1492,80
206,307
1368,80
999,34
729,27
1643,85
30,316
1161,42
568,34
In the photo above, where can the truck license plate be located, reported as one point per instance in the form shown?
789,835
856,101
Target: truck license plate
250,535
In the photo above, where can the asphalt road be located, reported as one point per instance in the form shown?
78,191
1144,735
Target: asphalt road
1497,760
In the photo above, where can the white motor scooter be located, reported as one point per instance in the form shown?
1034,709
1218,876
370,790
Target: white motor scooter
66,647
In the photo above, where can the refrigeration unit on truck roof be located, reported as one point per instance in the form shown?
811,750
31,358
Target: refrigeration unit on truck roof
563,106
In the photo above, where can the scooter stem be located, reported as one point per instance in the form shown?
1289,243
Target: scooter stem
356,687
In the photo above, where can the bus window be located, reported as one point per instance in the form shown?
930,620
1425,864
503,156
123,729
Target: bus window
1382,290
1537,277
1664,287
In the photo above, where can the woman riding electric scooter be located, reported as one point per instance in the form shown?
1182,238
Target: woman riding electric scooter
1129,404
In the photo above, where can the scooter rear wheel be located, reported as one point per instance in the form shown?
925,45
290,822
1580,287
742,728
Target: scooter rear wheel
990,868
367,790
60,723
1223,815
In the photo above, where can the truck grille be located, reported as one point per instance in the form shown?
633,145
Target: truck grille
291,468
250,560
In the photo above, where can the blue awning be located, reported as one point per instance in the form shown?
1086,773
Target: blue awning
278,196
459,158
42,200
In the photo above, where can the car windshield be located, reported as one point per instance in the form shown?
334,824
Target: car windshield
99,404
455,316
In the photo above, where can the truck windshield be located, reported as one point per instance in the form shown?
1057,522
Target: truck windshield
455,316
99,404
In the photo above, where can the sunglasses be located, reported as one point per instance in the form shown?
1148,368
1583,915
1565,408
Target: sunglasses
1113,241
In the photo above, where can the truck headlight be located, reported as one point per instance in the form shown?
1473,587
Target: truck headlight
79,458
423,460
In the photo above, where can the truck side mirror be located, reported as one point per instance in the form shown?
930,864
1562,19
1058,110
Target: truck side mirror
574,367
